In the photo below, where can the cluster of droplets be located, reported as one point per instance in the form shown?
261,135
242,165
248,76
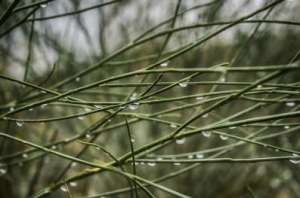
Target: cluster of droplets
134,105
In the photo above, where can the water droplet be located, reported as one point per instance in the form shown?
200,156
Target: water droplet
73,184
98,106
142,163
259,86
43,106
87,109
223,79
87,136
286,127
77,79
43,92
159,158
164,64
3,171
44,5
223,137
176,163
199,156
19,123
290,104
183,84
191,156
206,133
205,115
173,125
64,188
232,127
132,140
199,98
53,147
25,155
11,109
133,106
136,163
30,109
180,141
133,96
122,107
80,118
151,163
295,161
74,164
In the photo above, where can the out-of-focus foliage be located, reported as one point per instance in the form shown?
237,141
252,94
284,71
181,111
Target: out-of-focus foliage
68,84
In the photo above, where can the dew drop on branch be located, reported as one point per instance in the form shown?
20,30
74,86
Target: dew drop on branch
176,163
3,171
205,115
286,127
73,184
80,118
223,137
64,188
25,155
173,125
295,161
223,79
199,156
190,156
164,64
44,105
183,84
19,123
44,5
98,106
206,134
180,141
199,98
77,79
290,104
133,106
151,164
